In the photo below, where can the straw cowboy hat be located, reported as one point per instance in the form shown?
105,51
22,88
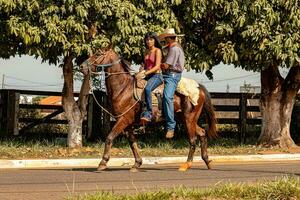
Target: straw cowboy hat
169,32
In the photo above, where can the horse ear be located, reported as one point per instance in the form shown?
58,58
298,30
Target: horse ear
109,47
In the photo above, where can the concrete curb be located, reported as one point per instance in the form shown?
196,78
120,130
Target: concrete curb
117,162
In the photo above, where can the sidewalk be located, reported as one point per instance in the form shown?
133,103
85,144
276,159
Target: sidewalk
93,162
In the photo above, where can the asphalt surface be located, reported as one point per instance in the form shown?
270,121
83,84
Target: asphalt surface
60,183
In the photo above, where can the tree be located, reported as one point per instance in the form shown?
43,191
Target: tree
259,35
52,30
65,30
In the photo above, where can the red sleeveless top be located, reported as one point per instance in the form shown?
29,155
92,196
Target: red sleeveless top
149,60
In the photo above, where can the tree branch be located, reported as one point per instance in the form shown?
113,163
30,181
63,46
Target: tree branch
291,84
271,80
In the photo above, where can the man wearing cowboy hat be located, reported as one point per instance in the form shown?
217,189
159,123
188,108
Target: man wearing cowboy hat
172,69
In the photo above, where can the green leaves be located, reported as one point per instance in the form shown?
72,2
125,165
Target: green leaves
249,34
223,29
51,29
245,33
29,33
241,21
176,2
227,52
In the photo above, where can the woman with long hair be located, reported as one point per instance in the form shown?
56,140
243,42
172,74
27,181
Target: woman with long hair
151,72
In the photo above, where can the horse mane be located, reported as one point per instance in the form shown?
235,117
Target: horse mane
126,65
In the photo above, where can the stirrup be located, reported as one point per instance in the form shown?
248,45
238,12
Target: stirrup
146,118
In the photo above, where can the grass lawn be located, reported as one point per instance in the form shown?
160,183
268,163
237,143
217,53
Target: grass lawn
34,149
286,188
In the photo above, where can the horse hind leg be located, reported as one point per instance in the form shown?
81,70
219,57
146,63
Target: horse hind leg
203,140
192,141
134,148
188,164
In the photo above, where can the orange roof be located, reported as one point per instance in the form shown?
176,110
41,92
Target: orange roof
51,100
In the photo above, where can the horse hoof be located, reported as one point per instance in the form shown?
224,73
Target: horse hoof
208,164
101,168
134,170
185,166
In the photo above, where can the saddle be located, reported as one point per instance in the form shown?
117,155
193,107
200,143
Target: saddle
186,87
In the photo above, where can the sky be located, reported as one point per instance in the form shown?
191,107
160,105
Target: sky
31,74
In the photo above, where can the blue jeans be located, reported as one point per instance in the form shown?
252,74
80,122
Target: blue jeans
154,81
171,81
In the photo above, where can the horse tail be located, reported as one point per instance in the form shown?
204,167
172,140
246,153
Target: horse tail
209,114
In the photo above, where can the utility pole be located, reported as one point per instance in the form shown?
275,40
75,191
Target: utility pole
3,77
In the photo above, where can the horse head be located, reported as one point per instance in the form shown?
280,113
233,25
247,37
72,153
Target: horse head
104,57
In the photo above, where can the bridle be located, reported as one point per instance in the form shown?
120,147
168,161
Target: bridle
102,66
104,75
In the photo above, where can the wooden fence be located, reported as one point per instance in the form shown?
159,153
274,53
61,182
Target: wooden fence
10,106
98,123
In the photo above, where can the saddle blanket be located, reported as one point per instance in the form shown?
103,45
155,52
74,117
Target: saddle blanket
187,87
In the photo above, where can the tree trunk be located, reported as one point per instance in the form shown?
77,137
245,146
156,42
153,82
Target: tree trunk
75,111
276,121
277,101
75,129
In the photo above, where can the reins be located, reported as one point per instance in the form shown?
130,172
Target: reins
109,74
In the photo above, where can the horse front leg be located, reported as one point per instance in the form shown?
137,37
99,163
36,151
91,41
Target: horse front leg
203,140
134,147
120,125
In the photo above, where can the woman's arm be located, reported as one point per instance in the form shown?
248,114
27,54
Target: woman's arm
158,57
142,67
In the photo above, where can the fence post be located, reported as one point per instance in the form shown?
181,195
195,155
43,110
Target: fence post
2,106
9,112
90,117
13,112
243,117
98,120
295,123
94,117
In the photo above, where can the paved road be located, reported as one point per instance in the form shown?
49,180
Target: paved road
59,183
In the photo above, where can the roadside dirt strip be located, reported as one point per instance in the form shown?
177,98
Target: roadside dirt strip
117,162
